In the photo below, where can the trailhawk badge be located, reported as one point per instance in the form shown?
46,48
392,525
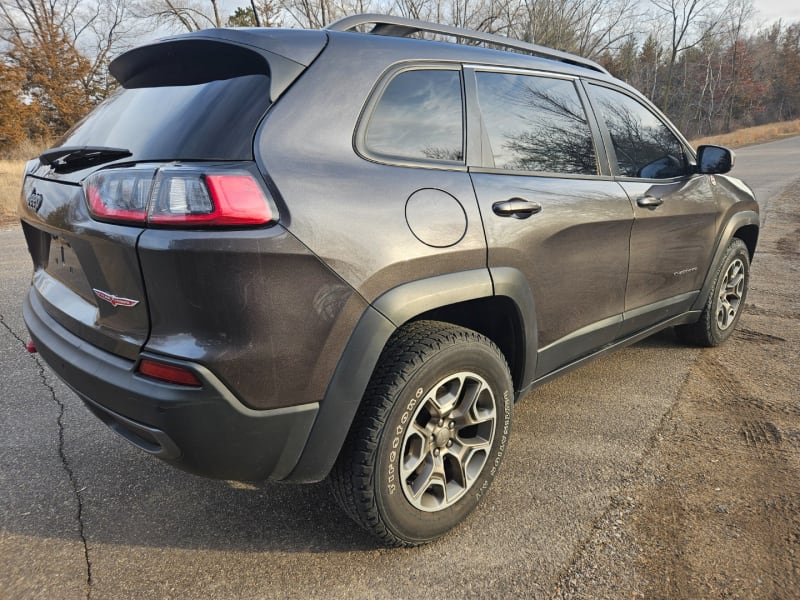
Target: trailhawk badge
114,300
35,200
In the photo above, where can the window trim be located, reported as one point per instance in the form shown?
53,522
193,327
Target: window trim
480,158
373,99
611,153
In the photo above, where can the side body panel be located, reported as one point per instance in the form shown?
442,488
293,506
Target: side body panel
254,306
739,217
671,247
350,211
573,255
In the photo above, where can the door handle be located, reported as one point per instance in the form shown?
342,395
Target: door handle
519,208
649,201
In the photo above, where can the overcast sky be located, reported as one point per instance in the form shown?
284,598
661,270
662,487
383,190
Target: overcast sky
768,11
772,10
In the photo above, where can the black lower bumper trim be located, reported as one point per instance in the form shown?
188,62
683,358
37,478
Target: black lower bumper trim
151,440
203,430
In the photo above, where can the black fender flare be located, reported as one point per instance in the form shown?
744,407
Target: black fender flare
376,325
736,222
513,284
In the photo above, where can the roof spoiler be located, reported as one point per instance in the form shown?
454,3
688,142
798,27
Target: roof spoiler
215,54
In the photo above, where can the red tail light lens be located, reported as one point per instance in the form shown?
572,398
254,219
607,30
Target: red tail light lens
168,373
178,197
119,194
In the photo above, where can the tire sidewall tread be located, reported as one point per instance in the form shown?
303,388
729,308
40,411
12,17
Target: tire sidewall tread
706,332
417,355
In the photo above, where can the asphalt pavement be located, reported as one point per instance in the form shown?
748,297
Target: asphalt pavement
84,514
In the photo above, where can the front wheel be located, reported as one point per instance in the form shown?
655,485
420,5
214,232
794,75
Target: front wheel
725,299
429,436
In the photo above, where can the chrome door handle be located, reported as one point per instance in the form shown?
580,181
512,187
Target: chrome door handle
518,208
649,201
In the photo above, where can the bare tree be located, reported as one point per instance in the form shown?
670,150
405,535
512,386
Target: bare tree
191,15
586,27
689,23
315,14
740,13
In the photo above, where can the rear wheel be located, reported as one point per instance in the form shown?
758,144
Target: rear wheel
429,436
725,299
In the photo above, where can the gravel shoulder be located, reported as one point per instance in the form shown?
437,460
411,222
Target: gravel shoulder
714,509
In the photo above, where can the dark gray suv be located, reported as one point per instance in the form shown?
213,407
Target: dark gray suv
345,253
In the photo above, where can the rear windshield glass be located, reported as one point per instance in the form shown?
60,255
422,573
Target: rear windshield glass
209,121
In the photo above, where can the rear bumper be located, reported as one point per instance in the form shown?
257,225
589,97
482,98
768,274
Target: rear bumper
203,430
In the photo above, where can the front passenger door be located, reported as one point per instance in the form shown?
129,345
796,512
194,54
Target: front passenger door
674,209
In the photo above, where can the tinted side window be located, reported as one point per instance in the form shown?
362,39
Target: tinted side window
645,147
419,117
536,124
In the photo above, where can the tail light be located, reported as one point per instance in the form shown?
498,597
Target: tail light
178,197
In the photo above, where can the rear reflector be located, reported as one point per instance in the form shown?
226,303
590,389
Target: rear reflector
176,196
168,373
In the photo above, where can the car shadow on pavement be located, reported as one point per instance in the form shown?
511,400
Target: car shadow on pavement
109,492
663,339
168,508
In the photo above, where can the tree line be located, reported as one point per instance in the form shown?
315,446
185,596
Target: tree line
707,63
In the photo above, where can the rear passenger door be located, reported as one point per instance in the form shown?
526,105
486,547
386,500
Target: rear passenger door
550,211
674,208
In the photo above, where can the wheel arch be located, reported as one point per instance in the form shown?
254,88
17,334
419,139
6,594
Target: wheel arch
743,225
749,235
496,303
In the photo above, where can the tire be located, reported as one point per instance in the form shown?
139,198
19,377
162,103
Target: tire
429,435
725,300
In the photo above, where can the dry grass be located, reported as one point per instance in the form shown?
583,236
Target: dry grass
26,150
10,186
12,164
752,135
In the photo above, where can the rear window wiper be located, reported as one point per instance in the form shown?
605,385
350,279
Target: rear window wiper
72,158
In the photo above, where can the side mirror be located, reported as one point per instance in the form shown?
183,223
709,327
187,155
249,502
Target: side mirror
714,160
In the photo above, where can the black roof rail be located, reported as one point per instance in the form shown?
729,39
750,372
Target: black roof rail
402,27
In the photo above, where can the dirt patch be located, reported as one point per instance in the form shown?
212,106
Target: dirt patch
714,509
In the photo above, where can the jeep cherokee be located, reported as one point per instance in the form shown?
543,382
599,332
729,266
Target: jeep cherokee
345,253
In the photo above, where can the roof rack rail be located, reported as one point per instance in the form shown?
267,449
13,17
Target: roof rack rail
401,27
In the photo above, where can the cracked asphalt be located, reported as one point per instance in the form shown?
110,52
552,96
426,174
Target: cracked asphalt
38,489
85,515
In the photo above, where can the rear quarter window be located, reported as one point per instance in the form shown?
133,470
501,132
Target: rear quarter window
418,117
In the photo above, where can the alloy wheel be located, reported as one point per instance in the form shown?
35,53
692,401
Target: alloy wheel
448,441
731,291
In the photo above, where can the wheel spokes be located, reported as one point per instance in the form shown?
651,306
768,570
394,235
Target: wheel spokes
447,395
448,441
426,483
730,295
415,454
